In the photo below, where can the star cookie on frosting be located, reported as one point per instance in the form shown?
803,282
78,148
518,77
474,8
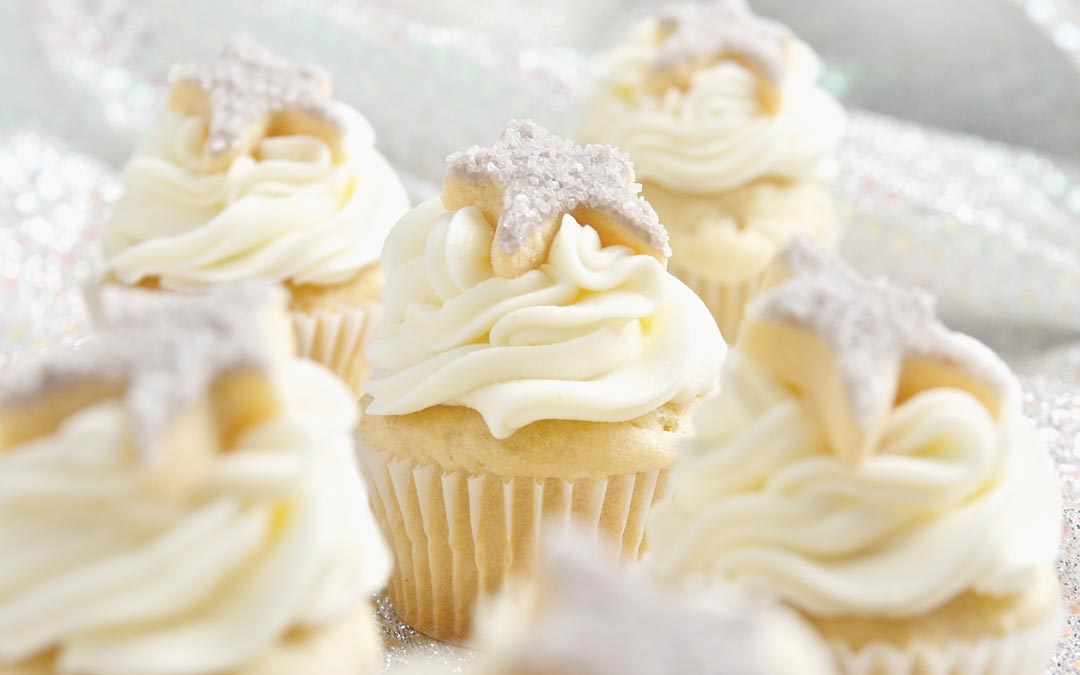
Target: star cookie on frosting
192,372
249,93
697,35
528,180
854,348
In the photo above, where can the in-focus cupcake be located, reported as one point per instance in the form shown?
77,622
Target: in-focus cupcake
535,363
255,172
180,496
585,617
731,137
873,470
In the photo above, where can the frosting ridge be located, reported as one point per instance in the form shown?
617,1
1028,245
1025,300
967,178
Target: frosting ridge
595,333
119,580
714,135
950,502
287,211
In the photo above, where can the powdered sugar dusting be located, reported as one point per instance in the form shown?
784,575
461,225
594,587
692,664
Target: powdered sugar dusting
165,350
247,85
868,323
544,176
701,31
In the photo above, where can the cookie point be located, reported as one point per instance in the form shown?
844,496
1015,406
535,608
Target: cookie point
247,92
694,36
161,354
532,177
855,348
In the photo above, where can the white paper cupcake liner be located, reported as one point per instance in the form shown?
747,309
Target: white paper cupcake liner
457,536
338,339
1022,652
726,300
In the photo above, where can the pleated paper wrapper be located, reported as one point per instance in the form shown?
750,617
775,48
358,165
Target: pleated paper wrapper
726,300
1021,652
458,536
338,339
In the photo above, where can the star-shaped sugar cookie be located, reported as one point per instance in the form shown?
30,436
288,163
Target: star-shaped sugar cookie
192,373
247,93
585,607
697,35
854,348
531,177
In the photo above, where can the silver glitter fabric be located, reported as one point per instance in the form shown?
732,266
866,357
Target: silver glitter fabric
700,33
1061,21
542,176
51,205
1052,402
406,648
991,230
98,50
247,87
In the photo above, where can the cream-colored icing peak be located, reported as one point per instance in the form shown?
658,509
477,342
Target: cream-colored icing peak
950,502
288,211
595,333
115,579
713,135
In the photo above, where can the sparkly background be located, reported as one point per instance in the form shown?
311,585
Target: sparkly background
990,226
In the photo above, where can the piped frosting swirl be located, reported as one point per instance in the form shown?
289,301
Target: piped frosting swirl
105,574
726,116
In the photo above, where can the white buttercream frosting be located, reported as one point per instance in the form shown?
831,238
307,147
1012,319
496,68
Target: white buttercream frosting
714,135
116,580
596,334
950,502
287,211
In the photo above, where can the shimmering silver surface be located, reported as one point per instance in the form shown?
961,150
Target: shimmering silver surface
993,230
1061,21
51,200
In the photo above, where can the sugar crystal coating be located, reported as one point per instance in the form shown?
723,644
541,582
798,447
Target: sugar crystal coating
247,85
165,351
869,322
596,620
698,32
544,176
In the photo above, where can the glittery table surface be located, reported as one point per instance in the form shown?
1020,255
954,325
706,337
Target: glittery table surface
992,229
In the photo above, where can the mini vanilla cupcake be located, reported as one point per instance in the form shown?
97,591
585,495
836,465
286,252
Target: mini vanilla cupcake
584,617
255,172
180,496
731,137
535,361
873,470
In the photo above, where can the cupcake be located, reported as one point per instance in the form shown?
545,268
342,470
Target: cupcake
873,470
585,617
535,363
180,496
255,172
731,137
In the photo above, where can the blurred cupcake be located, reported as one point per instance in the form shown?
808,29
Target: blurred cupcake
180,496
255,172
536,362
585,617
873,470
731,138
